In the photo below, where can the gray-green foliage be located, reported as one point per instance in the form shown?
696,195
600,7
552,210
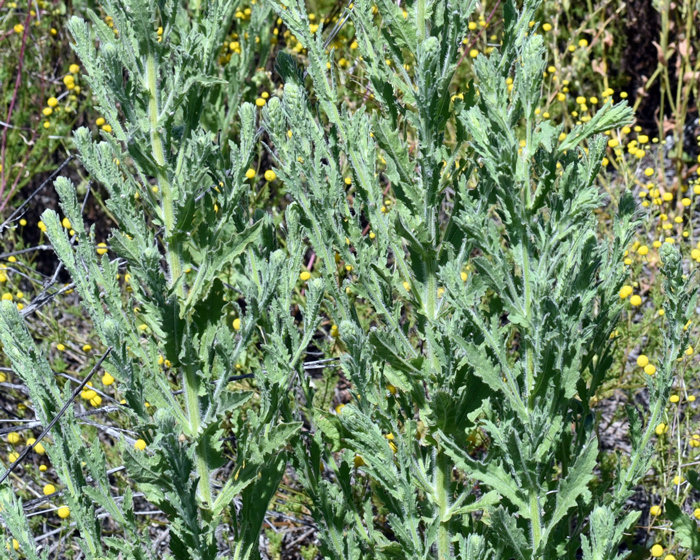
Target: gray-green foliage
495,376
487,294
181,199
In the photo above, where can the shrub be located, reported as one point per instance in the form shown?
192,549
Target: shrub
471,297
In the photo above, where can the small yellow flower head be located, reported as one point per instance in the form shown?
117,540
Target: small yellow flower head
407,286
140,444
43,468
674,399
13,438
643,250
100,121
463,276
236,324
334,331
19,28
60,347
63,512
101,248
87,348
583,43
649,171
306,275
473,53
358,461
696,513
260,102
107,379
625,292
657,550
686,202
65,222
74,69
642,361
676,479
47,111
655,510
39,448
250,173
689,351
391,389
547,27
42,226
12,457
691,398
636,301
660,429
650,369
339,409
49,489
270,175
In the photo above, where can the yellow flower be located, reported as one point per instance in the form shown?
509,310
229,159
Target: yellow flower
42,226
655,510
13,438
407,286
334,331
250,173
657,550
19,28
49,489
7,296
107,128
236,324
463,275
546,27
260,102
583,43
12,457
474,53
650,369
65,223
63,512
642,361
674,399
101,248
649,171
686,202
358,461
100,121
306,275
107,379
270,175
660,429
643,250
140,444
636,301
625,292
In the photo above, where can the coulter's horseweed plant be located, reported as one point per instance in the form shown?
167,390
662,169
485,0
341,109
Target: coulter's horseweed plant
457,255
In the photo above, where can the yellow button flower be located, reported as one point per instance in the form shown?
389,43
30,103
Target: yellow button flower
140,444
49,489
270,175
63,512
636,301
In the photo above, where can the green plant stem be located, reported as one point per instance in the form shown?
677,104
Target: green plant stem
163,183
443,488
